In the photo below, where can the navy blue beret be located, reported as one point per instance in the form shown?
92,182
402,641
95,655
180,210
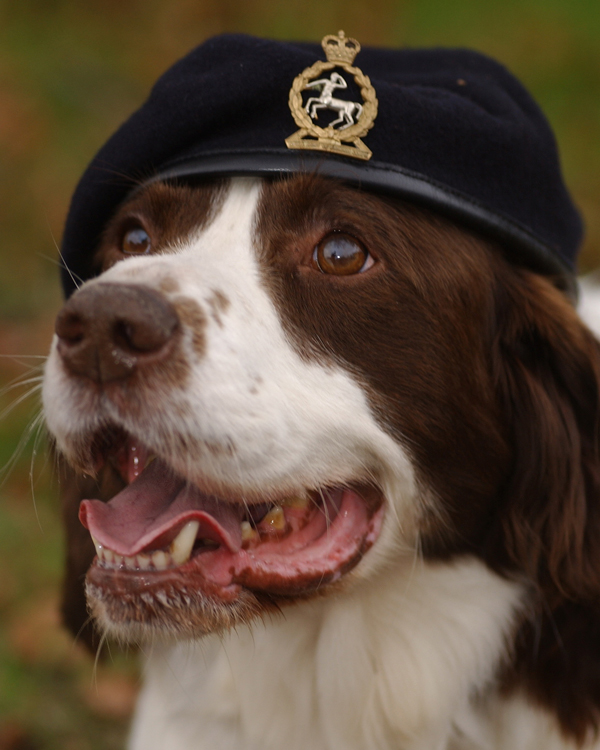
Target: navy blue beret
454,131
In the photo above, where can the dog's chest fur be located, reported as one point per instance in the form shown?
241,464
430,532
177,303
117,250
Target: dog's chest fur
401,377
385,667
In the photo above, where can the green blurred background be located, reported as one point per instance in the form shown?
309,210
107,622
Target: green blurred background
70,72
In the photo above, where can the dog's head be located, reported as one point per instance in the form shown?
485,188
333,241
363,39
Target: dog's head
289,385
279,387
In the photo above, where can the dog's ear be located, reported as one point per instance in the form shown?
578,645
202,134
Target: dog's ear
79,547
547,370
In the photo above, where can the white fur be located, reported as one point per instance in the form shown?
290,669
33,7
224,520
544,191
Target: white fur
388,666
589,301
405,657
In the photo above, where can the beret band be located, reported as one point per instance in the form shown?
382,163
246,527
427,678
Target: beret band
525,248
455,131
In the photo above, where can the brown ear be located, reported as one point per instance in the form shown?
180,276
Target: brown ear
79,547
547,368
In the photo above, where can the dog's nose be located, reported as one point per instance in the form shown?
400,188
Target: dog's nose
107,331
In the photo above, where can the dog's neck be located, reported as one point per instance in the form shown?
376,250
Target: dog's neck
383,668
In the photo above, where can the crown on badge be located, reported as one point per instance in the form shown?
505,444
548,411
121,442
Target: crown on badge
340,49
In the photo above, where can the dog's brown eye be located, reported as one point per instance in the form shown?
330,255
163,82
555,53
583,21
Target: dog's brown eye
136,241
341,254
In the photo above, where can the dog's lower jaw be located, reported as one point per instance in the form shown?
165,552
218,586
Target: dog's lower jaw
288,681
169,614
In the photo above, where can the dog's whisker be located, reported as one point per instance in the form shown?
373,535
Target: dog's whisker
77,280
37,427
103,640
18,357
123,177
33,424
17,401
22,380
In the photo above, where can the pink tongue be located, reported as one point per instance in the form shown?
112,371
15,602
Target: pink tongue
150,511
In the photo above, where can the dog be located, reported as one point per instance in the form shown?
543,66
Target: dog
329,434
381,466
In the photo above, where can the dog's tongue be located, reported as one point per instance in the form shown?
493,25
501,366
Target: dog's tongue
150,511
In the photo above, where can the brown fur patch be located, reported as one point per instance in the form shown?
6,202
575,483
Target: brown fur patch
556,663
219,304
192,315
402,328
487,376
170,213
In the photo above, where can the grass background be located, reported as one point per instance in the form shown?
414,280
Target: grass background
70,72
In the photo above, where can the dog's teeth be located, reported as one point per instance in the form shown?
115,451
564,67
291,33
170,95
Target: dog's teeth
248,532
178,553
104,554
181,546
99,548
160,560
274,520
301,502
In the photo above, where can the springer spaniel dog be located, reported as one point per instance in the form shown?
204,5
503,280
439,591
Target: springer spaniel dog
329,425
354,450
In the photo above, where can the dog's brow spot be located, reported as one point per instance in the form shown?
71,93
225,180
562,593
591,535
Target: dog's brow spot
168,285
218,304
192,315
256,382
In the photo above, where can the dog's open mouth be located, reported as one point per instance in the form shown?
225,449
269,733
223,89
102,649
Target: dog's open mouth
161,530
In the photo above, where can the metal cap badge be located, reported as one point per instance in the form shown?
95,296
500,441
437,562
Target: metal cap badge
354,119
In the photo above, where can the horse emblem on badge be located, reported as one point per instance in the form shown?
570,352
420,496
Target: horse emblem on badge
354,119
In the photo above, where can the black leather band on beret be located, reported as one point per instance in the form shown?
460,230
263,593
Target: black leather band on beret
455,131
522,246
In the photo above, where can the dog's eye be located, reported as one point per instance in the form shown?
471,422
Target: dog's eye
136,241
341,254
